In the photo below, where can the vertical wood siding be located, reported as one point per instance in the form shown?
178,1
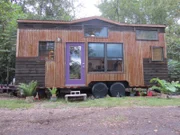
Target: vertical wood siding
134,52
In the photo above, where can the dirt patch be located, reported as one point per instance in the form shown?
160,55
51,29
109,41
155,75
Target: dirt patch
91,121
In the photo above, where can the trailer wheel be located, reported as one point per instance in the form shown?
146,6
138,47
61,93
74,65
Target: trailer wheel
99,90
117,90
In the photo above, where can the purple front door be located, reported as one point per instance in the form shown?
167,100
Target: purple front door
75,64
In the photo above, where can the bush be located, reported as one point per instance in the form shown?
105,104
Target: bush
174,70
28,89
164,86
53,90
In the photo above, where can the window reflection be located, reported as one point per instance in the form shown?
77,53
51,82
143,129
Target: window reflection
114,57
96,50
46,50
96,64
114,64
147,34
114,50
96,57
99,62
75,62
95,31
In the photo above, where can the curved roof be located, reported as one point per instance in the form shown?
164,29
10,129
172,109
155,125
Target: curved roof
88,19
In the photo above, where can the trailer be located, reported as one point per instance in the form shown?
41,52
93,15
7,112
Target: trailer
94,52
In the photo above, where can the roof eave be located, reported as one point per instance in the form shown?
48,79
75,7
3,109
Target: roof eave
88,19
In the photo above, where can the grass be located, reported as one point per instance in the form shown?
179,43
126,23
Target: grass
117,102
58,104
158,102
14,104
128,102
103,102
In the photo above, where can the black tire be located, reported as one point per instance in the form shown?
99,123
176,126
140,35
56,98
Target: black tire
99,90
117,90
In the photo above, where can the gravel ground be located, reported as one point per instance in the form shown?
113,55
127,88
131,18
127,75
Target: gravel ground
91,121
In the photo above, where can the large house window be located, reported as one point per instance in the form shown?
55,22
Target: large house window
95,31
46,50
96,57
146,34
105,57
157,54
114,57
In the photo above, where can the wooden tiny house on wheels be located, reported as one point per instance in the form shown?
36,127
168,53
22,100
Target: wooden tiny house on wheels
90,52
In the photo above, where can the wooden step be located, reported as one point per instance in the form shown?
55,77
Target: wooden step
75,94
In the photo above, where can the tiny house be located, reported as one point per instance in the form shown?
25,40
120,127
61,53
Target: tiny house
91,52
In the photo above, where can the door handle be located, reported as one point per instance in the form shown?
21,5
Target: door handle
82,65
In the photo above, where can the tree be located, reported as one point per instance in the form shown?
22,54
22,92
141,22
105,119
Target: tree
173,41
9,13
174,70
141,11
48,9
173,51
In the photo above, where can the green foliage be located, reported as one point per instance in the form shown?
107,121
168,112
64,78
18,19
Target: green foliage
48,9
174,70
53,90
173,42
164,86
140,11
28,89
9,13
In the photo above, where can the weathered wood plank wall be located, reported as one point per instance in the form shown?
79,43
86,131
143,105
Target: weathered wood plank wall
134,52
154,70
28,69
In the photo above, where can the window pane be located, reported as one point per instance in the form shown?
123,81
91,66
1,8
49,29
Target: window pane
46,50
96,50
114,50
42,47
42,43
147,34
50,46
157,54
114,64
96,65
95,31
75,62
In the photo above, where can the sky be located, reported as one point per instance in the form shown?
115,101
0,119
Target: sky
88,8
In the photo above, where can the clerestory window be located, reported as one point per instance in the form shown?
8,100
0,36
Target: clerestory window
95,31
146,34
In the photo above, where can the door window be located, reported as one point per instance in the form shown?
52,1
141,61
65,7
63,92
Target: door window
75,62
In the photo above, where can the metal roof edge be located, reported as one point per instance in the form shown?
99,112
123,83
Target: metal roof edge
88,19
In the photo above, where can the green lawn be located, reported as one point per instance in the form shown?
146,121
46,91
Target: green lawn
14,104
103,102
128,102
115,102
